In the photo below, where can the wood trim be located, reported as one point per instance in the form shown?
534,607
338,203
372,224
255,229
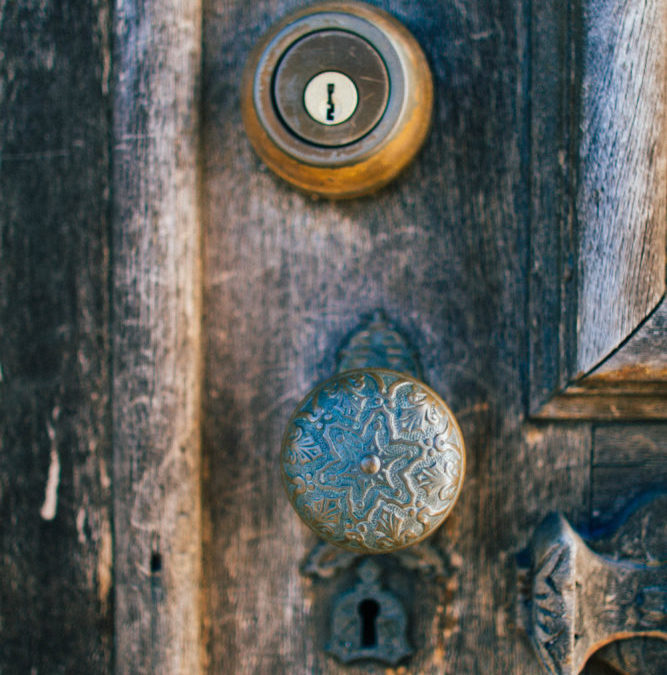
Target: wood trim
156,299
630,384
599,200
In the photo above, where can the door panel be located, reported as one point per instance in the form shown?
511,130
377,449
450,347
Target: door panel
288,277
226,295
156,294
56,594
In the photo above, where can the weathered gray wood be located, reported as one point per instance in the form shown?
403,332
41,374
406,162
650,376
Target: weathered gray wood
549,168
156,331
498,191
609,229
443,252
622,196
55,451
643,358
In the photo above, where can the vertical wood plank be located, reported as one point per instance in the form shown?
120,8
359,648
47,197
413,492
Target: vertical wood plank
622,195
156,331
598,187
555,98
55,447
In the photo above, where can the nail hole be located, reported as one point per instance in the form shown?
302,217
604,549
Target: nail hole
156,562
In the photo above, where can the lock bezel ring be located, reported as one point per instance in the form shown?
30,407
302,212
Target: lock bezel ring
365,164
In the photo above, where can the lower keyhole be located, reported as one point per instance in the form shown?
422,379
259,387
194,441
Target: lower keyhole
368,612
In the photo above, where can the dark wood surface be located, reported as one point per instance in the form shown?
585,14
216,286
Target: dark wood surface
56,595
444,252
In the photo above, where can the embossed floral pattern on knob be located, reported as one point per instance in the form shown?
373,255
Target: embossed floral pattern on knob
373,460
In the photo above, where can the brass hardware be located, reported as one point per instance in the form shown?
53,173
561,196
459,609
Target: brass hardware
373,459
354,132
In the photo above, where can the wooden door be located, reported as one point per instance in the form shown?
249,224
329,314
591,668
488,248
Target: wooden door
189,299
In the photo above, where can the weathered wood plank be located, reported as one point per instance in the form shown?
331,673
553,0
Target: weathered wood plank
554,91
622,191
156,330
55,446
599,219
643,358
631,384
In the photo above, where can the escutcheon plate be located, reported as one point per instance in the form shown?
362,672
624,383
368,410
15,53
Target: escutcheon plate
373,460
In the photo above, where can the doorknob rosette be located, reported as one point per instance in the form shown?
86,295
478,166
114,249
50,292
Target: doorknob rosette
373,460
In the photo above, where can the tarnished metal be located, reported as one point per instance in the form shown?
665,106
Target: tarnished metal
325,561
377,344
338,51
395,98
369,622
372,459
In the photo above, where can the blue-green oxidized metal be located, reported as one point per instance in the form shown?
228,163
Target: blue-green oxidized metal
373,460
389,644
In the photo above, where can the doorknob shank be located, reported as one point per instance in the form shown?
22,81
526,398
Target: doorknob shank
581,600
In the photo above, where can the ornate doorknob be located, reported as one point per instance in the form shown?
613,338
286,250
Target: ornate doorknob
372,458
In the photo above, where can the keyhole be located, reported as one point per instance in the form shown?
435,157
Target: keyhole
368,612
330,103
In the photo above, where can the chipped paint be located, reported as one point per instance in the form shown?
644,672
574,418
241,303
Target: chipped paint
80,525
105,481
50,505
104,562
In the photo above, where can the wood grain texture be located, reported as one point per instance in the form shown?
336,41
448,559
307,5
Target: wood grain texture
599,213
443,251
643,358
622,190
156,329
629,464
55,450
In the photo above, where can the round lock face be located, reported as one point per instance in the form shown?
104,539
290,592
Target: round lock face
373,460
331,88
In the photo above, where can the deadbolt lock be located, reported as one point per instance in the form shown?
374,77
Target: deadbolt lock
337,98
